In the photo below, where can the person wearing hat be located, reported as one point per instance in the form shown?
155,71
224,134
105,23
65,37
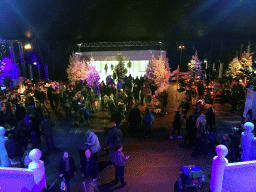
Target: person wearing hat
114,138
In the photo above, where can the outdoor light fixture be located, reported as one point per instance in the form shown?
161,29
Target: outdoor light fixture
27,46
35,63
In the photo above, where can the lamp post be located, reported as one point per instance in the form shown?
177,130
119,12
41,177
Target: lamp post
181,47
27,48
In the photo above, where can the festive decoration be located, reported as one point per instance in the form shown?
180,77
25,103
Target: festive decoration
246,60
80,69
129,65
241,67
234,68
92,78
158,73
195,65
120,69
6,69
106,68
2,66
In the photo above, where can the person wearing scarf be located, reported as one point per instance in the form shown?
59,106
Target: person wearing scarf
67,168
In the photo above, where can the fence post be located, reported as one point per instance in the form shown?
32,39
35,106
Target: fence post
247,138
219,163
37,166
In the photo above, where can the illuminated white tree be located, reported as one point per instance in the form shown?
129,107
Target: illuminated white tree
195,65
246,60
158,73
234,68
80,69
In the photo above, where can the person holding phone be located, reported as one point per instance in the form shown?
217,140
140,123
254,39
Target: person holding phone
119,163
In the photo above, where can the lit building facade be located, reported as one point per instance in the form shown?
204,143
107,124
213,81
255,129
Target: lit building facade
139,61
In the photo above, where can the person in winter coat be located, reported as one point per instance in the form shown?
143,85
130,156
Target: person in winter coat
134,120
185,106
47,131
210,118
12,149
89,166
234,147
119,163
191,129
180,183
176,125
67,168
93,143
114,138
148,119
200,123
228,143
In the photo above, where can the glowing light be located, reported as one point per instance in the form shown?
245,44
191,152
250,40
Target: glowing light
28,34
27,46
35,63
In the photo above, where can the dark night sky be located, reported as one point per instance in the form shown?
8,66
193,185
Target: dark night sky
199,24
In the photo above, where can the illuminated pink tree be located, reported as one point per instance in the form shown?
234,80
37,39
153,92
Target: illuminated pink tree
92,77
158,72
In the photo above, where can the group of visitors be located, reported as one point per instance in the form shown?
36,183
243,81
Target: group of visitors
88,152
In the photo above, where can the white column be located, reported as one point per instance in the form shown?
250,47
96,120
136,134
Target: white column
37,166
247,138
4,160
219,163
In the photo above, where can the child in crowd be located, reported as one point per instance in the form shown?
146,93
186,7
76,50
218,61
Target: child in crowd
180,183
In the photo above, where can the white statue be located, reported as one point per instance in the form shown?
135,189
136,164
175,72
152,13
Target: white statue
3,153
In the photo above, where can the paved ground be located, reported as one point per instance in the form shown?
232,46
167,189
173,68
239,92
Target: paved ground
154,161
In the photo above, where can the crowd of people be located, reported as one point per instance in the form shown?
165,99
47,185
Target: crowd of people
26,120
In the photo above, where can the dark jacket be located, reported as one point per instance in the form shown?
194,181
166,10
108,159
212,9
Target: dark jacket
46,127
177,122
11,148
114,137
134,115
93,167
210,118
62,166
117,117
235,140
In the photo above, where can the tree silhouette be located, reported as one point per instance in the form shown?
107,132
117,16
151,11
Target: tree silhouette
120,69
